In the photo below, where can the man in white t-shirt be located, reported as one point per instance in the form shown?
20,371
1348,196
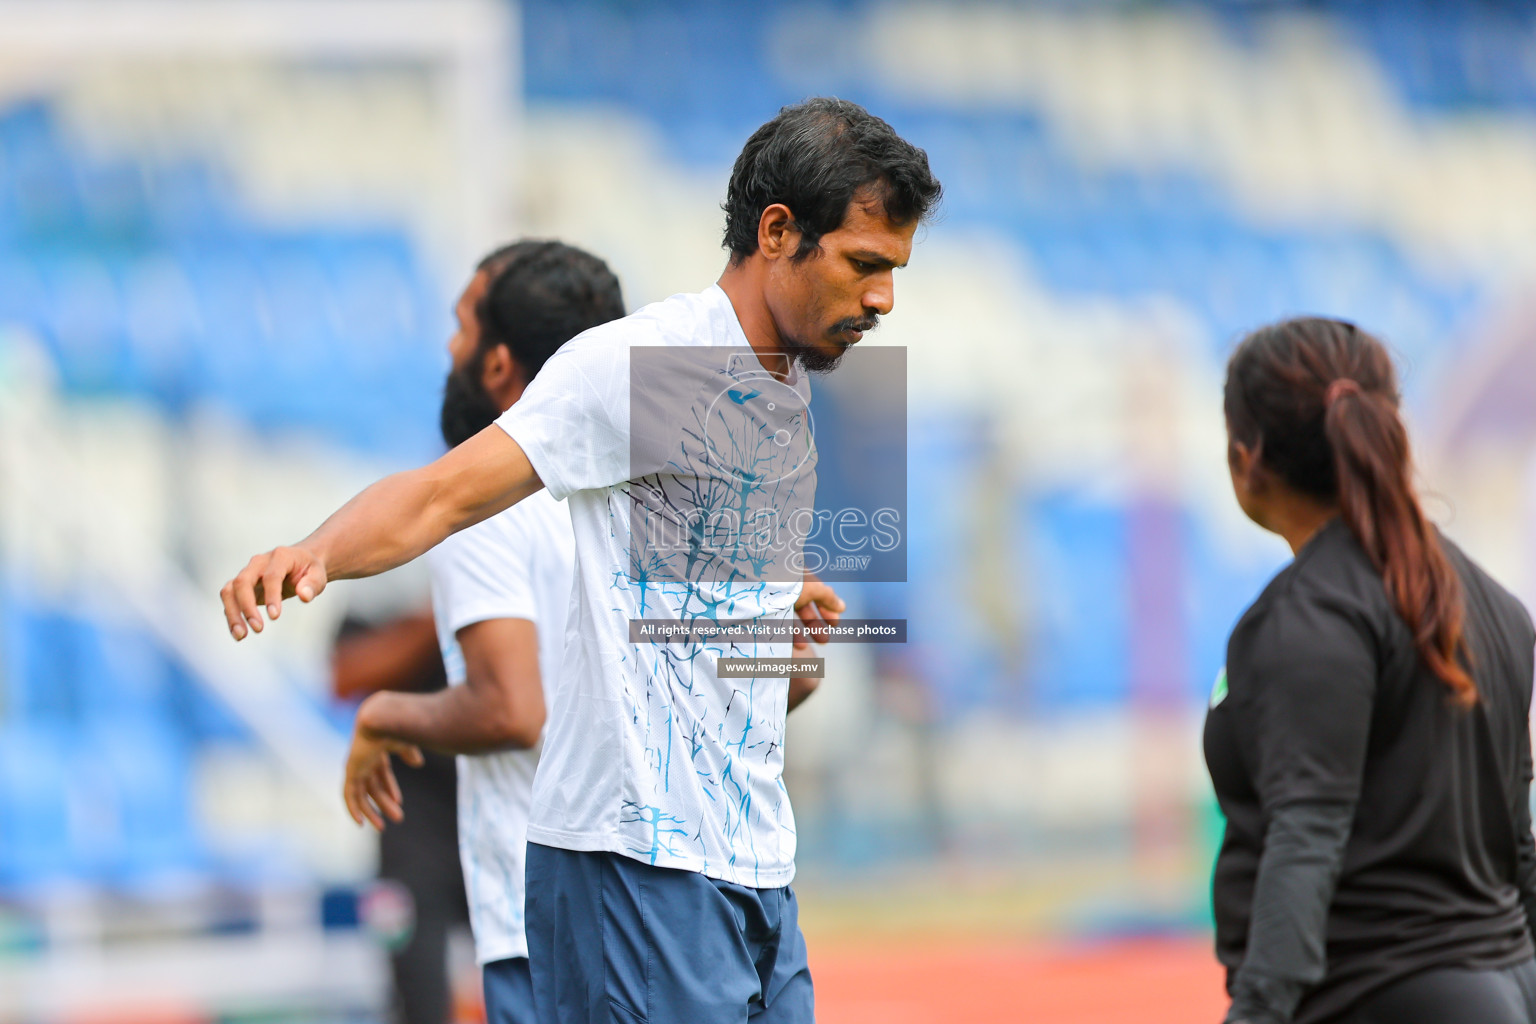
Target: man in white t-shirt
500,593
661,843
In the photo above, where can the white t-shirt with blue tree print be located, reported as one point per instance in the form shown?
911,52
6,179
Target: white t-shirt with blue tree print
647,753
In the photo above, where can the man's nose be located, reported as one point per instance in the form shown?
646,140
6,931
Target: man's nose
880,296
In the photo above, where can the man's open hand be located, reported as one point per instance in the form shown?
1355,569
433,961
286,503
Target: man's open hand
267,580
370,790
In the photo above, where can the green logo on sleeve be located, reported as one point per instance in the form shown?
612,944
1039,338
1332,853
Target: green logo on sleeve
1219,691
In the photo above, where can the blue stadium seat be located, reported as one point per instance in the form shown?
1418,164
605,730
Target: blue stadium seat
950,646
140,768
162,327
120,671
41,194
376,298
198,714
21,291
185,199
145,279
41,682
1076,558
113,199
35,806
83,318
228,360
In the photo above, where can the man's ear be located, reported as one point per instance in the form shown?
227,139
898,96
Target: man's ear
777,235
500,373
1244,462
495,364
1237,457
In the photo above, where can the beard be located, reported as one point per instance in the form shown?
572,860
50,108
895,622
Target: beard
814,360
467,407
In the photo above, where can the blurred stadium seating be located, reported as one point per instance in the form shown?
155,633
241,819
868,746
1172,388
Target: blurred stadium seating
1126,186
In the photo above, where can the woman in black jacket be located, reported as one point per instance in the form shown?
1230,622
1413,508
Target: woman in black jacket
1369,738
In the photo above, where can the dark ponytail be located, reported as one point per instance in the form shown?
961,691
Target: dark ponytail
1318,400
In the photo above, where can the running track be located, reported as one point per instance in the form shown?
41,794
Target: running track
1135,981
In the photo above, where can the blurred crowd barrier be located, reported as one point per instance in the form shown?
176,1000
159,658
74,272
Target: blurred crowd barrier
230,237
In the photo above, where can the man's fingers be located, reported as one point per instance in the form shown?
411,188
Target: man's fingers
266,580
378,792
365,793
410,753
818,607
358,806
391,784
232,615
272,585
815,625
385,790
349,797
813,591
353,789
245,592
371,813
809,612
309,584
830,607
285,568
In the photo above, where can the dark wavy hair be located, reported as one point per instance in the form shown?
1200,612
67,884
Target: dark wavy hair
542,294
1317,400
815,157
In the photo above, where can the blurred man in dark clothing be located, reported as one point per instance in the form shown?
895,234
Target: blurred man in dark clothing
422,852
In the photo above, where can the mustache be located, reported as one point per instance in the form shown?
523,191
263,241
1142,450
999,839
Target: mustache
856,323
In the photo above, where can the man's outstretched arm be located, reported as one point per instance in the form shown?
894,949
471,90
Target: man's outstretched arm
388,524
